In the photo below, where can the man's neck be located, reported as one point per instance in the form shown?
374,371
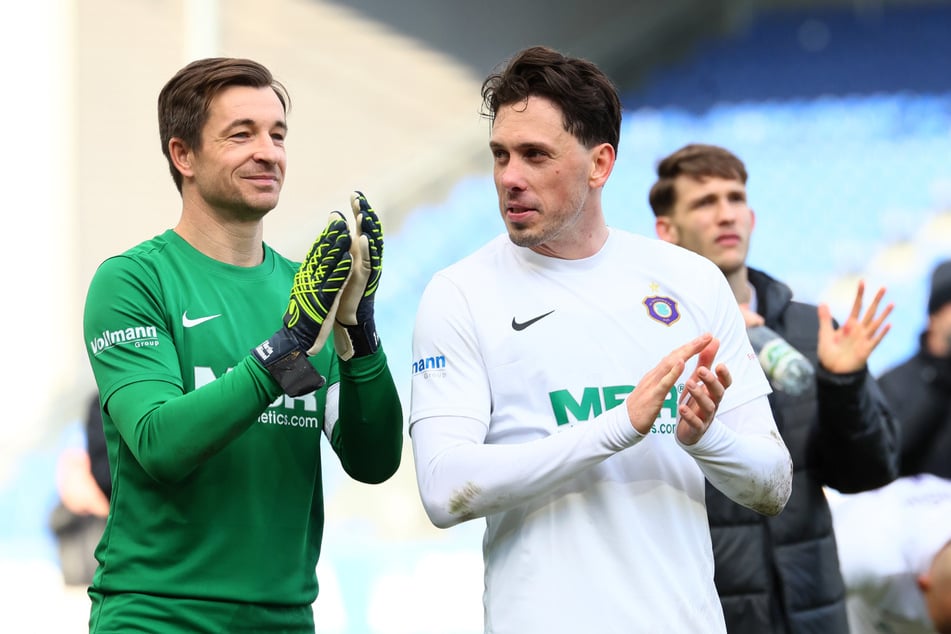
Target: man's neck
231,242
740,285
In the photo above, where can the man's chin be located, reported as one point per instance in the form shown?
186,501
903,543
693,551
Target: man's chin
257,211
263,204
522,238
732,258
731,266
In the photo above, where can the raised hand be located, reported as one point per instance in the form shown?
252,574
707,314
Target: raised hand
309,317
847,348
355,329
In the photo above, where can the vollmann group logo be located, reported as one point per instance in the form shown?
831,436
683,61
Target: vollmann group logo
137,336
430,367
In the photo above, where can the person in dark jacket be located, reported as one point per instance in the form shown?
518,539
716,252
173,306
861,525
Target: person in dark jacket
96,446
83,486
919,389
780,575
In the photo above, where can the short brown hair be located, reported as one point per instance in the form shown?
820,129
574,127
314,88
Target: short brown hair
697,161
588,100
184,100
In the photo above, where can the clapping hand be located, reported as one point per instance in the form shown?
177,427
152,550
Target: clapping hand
701,397
355,330
309,317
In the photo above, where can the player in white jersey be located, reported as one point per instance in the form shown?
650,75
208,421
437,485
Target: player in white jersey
895,553
570,385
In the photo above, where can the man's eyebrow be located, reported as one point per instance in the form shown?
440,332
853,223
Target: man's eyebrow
700,200
237,123
520,147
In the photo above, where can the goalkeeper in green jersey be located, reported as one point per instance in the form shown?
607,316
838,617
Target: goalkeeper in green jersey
220,363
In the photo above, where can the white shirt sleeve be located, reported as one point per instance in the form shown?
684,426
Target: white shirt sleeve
743,455
461,478
331,409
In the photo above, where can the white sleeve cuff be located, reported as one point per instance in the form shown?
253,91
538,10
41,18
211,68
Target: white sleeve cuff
717,439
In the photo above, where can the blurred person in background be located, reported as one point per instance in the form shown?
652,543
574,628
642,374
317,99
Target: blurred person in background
212,419
83,485
919,389
575,385
895,553
780,574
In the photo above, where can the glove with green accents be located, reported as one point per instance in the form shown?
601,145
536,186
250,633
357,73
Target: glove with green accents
355,330
310,311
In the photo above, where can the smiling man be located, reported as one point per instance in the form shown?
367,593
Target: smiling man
584,383
213,420
780,574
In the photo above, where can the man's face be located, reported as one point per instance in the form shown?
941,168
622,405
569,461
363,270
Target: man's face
543,177
935,585
710,217
939,323
239,167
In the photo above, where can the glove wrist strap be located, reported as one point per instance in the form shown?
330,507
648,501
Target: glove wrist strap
282,356
363,337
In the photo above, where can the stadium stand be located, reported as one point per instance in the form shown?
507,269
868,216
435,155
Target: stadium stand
847,145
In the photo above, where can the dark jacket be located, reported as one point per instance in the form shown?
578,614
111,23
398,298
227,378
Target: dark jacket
781,574
96,446
919,391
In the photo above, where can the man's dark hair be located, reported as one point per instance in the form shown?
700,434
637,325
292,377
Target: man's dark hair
698,161
184,100
587,98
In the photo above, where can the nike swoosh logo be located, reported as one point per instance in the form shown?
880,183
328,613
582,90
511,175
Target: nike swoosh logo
188,323
525,324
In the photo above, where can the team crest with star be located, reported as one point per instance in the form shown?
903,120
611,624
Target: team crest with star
661,308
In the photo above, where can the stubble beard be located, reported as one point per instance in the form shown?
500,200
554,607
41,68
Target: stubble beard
526,238
534,236
251,208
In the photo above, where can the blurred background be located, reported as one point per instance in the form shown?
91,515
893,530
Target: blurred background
840,109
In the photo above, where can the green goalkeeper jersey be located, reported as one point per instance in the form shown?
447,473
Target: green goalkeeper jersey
216,514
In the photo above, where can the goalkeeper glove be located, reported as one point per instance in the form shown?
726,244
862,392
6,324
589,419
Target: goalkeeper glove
310,311
355,330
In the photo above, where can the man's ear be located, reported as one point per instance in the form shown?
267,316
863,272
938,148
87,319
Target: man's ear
666,230
924,582
181,156
602,164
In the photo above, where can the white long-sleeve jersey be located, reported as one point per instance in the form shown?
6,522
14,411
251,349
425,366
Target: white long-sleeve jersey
522,366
